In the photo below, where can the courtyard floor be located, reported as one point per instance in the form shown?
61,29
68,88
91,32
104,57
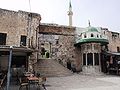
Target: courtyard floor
79,82
84,82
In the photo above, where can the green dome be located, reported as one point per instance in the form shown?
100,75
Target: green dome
92,29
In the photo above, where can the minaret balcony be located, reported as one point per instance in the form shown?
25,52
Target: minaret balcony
70,13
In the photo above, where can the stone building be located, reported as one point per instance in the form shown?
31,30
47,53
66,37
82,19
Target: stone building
86,48
78,49
19,30
57,40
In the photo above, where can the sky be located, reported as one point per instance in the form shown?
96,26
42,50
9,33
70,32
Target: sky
101,13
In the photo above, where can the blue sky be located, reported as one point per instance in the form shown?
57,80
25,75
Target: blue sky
101,13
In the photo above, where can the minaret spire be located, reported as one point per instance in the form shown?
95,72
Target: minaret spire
70,13
70,6
89,23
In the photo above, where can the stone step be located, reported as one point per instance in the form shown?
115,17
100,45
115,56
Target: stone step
55,74
49,67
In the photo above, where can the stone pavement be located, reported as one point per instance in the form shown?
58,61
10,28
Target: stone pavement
84,82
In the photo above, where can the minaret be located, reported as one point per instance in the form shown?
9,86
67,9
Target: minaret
89,23
70,14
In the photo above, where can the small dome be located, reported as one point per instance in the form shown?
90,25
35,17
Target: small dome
91,34
92,29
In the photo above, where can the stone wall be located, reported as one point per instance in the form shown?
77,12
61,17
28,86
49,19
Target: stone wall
62,41
114,41
66,49
17,23
78,58
9,25
56,29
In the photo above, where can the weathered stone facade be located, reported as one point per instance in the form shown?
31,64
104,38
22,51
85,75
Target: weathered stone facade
16,24
58,41
65,49
61,42
114,39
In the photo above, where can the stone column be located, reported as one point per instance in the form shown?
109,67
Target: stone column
86,58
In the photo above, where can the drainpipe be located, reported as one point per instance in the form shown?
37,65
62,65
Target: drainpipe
9,68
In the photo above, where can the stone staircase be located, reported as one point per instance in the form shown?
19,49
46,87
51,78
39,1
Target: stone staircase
51,68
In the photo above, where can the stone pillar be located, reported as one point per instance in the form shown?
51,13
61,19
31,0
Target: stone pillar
86,58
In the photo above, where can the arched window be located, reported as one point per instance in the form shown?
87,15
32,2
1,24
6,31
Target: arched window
84,59
118,49
97,36
57,42
85,36
96,58
89,59
92,35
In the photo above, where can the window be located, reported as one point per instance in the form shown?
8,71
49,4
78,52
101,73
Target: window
97,36
57,42
118,49
84,59
89,59
92,35
96,58
23,40
85,36
3,38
